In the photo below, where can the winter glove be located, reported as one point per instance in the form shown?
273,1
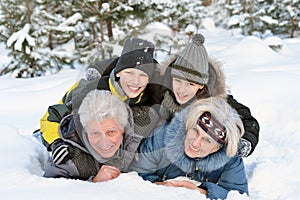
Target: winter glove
244,148
60,152
145,120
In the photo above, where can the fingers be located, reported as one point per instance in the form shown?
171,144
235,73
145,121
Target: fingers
177,183
106,173
113,171
186,184
167,183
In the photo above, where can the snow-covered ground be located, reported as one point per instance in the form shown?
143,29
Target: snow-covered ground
264,80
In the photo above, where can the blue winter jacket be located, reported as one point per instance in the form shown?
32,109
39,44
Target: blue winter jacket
162,157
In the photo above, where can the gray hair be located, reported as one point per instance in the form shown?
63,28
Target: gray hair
225,114
101,104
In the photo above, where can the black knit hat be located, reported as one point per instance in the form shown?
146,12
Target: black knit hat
137,59
131,44
192,62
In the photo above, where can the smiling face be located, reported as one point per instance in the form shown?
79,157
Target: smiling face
105,137
133,81
184,90
198,143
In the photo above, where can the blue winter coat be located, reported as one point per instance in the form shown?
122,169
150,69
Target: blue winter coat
162,157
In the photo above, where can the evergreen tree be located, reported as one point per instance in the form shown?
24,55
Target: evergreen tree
48,31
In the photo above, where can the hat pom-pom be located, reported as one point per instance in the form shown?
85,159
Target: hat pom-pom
198,39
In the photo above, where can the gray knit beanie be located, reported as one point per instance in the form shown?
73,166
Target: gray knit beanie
192,62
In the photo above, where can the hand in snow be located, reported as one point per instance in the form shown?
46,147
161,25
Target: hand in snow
106,173
179,183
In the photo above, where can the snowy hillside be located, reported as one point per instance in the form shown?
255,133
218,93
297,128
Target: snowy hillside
264,80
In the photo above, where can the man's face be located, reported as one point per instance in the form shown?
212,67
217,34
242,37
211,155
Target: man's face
105,136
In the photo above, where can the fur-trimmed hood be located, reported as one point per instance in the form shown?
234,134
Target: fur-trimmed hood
215,87
174,137
216,84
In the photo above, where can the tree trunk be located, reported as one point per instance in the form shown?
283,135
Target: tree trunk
50,43
251,17
109,29
101,21
93,27
292,21
28,11
101,29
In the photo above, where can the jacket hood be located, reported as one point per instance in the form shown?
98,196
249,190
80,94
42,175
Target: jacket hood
72,132
216,83
174,143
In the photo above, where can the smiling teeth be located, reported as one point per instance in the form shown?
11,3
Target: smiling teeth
107,148
133,88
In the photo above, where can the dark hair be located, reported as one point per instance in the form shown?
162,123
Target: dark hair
202,93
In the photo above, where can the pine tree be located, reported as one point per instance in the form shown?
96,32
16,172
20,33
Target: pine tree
47,30
17,33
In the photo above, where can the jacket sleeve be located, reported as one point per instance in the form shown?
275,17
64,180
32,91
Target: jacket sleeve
251,125
149,157
49,123
66,170
81,166
233,177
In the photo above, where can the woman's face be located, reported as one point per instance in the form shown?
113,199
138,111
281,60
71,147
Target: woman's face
184,90
133,81
105,137
198,143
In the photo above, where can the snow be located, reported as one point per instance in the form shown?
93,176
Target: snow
269,20
72,20
19,38
234,20
264,80
190,29
273,40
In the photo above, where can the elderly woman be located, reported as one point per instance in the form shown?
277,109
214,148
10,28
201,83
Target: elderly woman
100,139
200,143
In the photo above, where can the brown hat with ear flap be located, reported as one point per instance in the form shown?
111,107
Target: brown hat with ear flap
192,62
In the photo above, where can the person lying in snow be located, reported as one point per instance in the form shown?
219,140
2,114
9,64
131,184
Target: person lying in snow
100,139
200,143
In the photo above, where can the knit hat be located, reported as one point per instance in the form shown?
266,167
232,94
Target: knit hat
131,44
192,62
137,59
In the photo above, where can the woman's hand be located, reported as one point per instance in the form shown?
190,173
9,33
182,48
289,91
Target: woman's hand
106,173
179,183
